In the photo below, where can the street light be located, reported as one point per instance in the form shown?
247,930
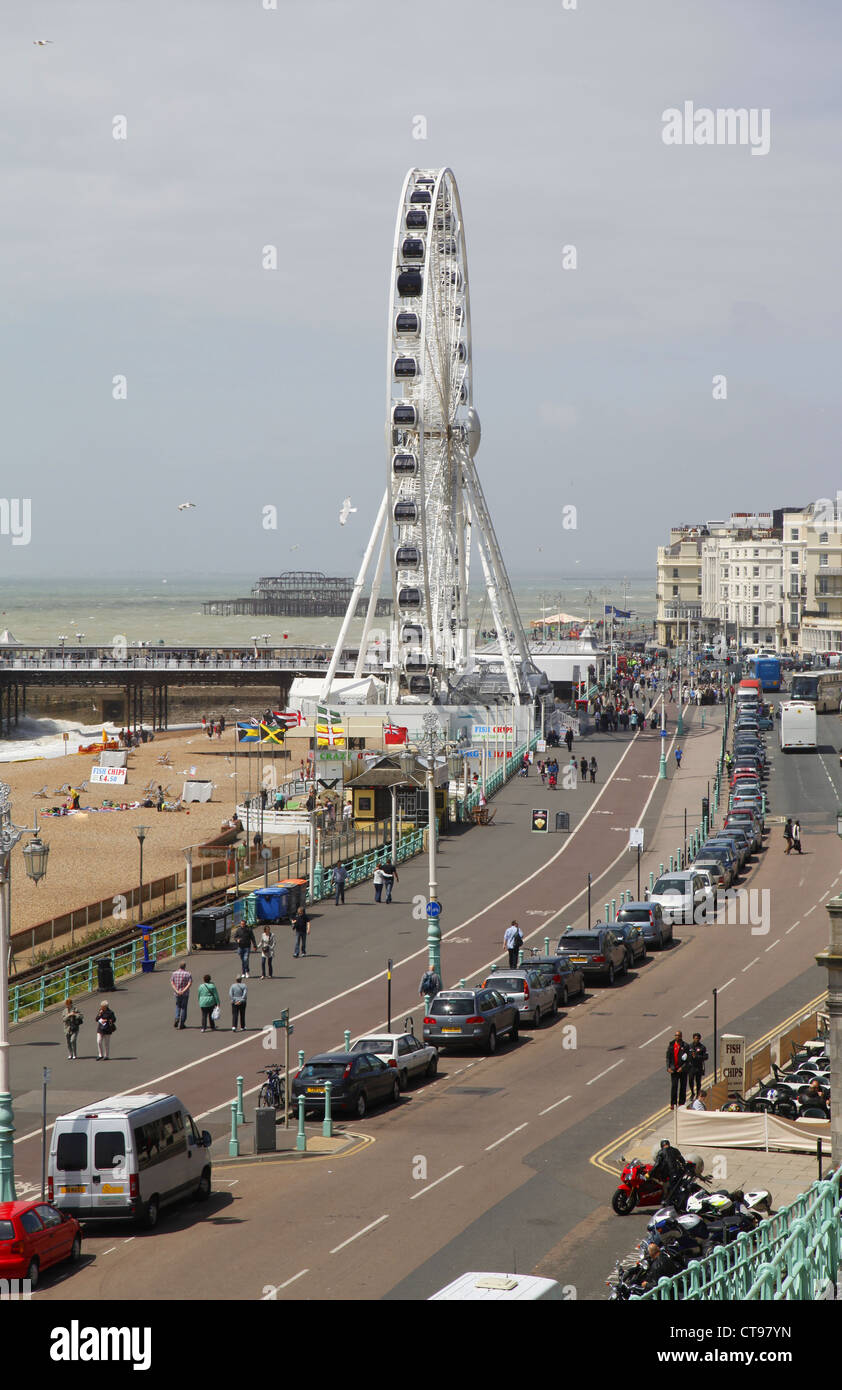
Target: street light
433,738
140,832
36,863
62,637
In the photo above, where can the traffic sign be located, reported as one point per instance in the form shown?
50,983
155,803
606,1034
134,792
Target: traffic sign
433,909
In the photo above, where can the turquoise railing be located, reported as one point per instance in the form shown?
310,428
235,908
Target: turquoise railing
794,1255
511,766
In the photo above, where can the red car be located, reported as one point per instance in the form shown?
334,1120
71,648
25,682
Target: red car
34,1235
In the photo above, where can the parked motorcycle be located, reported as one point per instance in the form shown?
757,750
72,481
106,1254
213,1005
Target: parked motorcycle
636,1187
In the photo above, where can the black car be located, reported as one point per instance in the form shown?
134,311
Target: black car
599,951
632,937
358,1081
569,980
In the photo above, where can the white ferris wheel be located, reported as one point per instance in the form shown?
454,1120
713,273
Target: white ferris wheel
433,511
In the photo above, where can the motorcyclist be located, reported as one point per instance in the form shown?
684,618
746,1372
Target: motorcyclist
662,1265
669,1168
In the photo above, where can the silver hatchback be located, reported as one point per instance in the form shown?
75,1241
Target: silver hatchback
533,991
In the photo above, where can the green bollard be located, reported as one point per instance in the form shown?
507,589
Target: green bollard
661,873
651,880
672,866
347,1040
607,917
327,1123
461,984
546,945
234,1144
678,858
241,1114
301,1137
613,909
300,1059
703,719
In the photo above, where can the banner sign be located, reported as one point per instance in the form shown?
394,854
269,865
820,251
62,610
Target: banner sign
112,775
541,820
732,1061
485,731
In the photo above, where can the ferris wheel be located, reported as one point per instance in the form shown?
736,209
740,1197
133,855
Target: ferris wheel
433,510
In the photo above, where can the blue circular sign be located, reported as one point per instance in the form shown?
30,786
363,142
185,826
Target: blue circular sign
433,909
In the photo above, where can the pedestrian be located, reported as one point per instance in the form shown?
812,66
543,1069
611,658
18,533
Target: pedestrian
552,777
568,739
390,878
430,984
378,880
678,1063
208,1003
181,980
106,1024
593,769
583,770
788,835
543,771
72,1020
796,834
159,799
238,994
244,938
347,814
513,940
677,759
696,1070
301,927
340,875
267,951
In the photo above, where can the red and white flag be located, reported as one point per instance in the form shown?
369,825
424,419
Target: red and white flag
394,733
289,718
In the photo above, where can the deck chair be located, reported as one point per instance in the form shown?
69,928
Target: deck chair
62,791
82,787
149,788
165,760
42,793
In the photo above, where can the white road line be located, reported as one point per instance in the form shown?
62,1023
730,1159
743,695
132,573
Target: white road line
774,944
489,1147
811,909
655,1039
796,924
694,1008
284,1285
436,1183
364,1231
110,1249
750,964
605,1073
792,928
553,1106
726,984
129,1239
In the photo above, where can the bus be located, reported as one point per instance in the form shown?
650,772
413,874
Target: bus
766,669
822,688
797,728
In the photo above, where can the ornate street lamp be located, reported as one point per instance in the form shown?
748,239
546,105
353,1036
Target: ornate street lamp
140,832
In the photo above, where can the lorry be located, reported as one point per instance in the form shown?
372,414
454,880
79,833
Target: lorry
797,727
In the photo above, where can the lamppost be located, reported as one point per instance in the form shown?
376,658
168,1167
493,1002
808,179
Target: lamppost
35,860
433,739
140,832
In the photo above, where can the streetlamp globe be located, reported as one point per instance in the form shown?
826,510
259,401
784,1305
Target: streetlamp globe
35,857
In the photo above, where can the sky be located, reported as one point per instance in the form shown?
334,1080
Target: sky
249,126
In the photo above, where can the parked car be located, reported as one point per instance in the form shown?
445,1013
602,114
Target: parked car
358,1081
650,918
569,980
679,894
733,841
632,937
403,1052
726,856
532,990
33,1236
751,823
470,1018
598,951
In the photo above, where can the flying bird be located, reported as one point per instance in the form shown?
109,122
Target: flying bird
183,506
295,547
41,42
345,511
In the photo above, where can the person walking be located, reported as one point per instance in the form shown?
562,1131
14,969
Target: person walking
568,739
106,1024
245,943
430,984
267,951
340,876
593,769
378,881
788,835
208,1003
696,1070
390,878
796,834
583,771
181,980
677,759
513,940
159,798
678,1063
72,1020
238,994
301,927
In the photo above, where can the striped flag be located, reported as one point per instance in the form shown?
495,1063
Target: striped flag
248,733
272,733
288,718
330,731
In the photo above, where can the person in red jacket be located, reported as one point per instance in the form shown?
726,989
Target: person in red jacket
678,1066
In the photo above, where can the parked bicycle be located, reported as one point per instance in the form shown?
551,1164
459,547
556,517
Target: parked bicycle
272,1091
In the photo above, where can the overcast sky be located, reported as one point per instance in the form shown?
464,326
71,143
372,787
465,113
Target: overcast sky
293,127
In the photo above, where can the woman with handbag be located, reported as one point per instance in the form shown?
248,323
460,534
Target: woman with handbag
208,1003
72,1021
106,1024
267,951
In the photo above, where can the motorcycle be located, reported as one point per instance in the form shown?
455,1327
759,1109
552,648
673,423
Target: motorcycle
636,1187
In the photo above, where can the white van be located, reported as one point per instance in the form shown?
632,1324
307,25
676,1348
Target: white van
127,1156
797,727
499,1287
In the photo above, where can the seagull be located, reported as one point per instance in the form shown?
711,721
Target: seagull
345,511
183,506
295,547
41,42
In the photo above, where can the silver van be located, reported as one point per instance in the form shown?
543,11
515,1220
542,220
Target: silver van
127,1156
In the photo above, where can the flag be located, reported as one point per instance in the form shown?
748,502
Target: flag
394,733
288,718
330,732
248,733
271,733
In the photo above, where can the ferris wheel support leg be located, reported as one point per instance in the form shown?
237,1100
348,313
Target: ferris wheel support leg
493,599
354,600
372,604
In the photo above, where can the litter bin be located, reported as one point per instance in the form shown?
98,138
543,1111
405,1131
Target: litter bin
562,820
104,975
212,926
264,1131
296,891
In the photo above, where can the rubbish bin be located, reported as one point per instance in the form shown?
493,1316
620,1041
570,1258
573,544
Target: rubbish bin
212,926
264,1131
104,975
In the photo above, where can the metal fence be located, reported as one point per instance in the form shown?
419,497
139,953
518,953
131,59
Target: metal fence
792,1256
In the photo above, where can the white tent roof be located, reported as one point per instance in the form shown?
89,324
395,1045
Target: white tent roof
368,691
8,639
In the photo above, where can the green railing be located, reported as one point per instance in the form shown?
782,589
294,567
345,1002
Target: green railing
511,766
792,1256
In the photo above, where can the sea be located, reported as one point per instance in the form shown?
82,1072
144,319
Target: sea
165,610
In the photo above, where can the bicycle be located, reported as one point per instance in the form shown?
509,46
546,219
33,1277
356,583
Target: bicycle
272,1091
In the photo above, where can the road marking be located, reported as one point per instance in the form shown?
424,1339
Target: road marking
436,1183
605,1073
110,1249
750,964
694,1008
811,909
727,983
774,944
129,1240
655,1039
792,928
277,1287
553,1106
364,1231
489,1147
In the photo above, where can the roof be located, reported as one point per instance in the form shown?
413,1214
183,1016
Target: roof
385,770
117,1104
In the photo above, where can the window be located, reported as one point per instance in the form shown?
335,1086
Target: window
793,535
109,1148
675,573
30,1223
7,1231
793,557
823,538
72,1153
675,591
756,571
452,1006
823,560
159,1139
49,1215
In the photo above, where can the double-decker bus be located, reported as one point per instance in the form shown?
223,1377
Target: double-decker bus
822,688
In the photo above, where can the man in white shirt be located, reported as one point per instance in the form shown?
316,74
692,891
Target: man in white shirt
513,940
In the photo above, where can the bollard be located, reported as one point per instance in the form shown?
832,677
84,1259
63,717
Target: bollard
678,857
234,1144
461,984
662,871
300,1058
301,1137
327,1123
703,719
672,866
607,917
651,880
241,1116
427,999
546,945
613,909
347,1040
